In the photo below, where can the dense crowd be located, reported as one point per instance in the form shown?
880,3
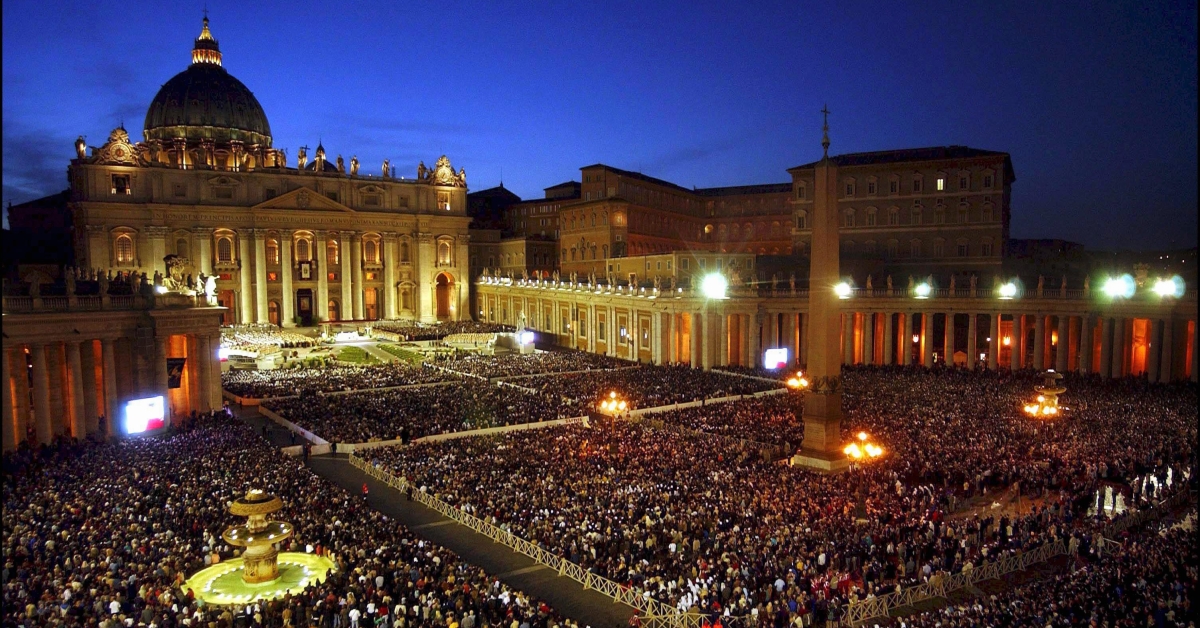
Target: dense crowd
769,420
288,382
699,524
409,413
412,330
257,338
515,364
105,535
647,386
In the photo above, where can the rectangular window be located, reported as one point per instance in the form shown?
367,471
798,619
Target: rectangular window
871,219
894,187
685,263
964,183
941,184
870,187
893,218
223,192
987,181
701,263
444,201
916,185
333,196
120,184
272,276
962,249
800,192
179,190
371,276
937,249
849,189
371,200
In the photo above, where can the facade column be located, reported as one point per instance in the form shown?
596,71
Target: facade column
1118,348
1167,359
1155,352
994,341
800,343
972,339
287,298
245,289
1019,338
1106,347
98,255
1085,343
906,342
1039,341
754,346
889,340
260,276
112,409
673,335
321,262
722,340
927,339
356,276
214,378
707,349
948,340
202,239
848,338
1063,349
10,436
157,238
868,342
770,330
75,370
426,282
346,275
389,276
697,339
41,394
87,362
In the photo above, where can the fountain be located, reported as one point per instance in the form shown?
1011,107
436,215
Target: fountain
258,535
1047,398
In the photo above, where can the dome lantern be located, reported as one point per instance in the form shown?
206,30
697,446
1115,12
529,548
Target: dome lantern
206,49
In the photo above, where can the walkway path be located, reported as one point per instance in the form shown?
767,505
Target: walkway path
567,596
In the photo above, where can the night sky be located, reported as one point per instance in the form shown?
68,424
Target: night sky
1096,101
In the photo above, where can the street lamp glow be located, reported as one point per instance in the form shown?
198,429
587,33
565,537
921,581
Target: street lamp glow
842,290
922,291
1120,287
714,285
1008,291
863,448
1172,287
798,381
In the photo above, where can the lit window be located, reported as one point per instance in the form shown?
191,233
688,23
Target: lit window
124,249
369,251
443,253
302,250
331,253
224,249
272,251
120,184
444,201
941,183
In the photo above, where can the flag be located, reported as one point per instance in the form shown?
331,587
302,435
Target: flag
175,371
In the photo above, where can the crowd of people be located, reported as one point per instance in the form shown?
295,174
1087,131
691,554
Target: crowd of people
257,338
105,535
287,382
412,330
541,362
647,386
770,420
409,413
699,524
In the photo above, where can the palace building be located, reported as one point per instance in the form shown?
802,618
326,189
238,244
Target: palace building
319,240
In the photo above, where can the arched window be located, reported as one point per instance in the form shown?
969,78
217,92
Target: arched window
405,298
273,312
334,313
124,248
181,247
572,254
603,218
302,251
272,251
443,253
593,219
593,251
369,252
603,251
225,249
331,253
404,253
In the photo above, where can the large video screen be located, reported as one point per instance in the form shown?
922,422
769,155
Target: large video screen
775,358
142,415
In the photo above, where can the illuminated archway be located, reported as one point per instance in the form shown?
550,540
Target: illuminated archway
444,291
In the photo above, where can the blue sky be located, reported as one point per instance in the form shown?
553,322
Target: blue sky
1096,102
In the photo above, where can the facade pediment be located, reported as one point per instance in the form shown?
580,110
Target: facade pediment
224,181
371,188
303,199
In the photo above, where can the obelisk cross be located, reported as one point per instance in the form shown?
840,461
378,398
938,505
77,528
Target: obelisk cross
825,130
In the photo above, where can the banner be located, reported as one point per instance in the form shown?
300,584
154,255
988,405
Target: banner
175,371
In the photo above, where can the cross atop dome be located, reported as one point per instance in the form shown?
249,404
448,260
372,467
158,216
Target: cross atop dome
206,49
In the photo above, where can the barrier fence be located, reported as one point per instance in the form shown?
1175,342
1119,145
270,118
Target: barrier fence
939,586
654,614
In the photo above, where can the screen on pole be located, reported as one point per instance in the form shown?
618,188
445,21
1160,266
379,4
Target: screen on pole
142,415
775,358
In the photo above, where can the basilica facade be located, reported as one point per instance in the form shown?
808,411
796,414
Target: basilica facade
322,239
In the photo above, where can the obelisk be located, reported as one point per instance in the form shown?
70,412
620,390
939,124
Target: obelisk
822,446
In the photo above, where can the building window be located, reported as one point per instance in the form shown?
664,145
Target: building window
849,189
941,184
802,220
894,187
916,215
914,248
800,192
871,218
444,201
937,248
964,183
848,218
181,247
893,216
273,251
369,252
120,184
179,190
963,215
124,248
331,253
333,196
371,200
985,249
962,249
987,181
893,248
223,192
404,253
939,216
302,254
225,249
916,185
870,187
443,254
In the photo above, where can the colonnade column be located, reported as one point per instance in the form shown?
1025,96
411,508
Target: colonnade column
246,298
356,277
87,362
321,257
1118,349
287,299
1021,345
994,341
673,338
722,340
889,339
1064,343
1155,353
868,338
948,340
754,346
1039,342
75,370
927,339
1085,343
1167,359
41,394
214,365
260,276
389,276
111,409
346,307
9,435
770,330
848,338
798,341
697,339
906,341
972,340
1106,348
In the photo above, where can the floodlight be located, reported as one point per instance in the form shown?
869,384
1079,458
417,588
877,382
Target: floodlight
922,291
714,286
843,290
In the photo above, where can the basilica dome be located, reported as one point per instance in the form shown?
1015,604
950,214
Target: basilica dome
206,102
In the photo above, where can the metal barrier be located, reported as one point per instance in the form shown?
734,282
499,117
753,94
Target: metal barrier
654,614
939,586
